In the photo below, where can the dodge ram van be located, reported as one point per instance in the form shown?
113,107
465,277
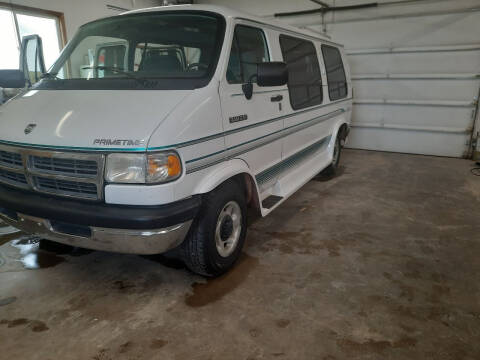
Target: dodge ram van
157,128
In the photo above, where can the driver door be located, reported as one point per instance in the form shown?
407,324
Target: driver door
247,122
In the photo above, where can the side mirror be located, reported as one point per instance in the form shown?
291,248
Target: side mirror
272,74
32,63
13,79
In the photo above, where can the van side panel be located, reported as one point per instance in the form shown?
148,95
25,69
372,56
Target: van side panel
215,145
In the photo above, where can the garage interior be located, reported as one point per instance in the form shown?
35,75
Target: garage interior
378,262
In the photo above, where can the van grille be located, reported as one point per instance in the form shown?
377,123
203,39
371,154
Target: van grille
12,178
10,159
63,187
75,167
77,175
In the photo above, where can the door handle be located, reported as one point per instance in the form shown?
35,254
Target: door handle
276,98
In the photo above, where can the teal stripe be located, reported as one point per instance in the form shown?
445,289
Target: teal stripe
204,157
58,147
262,137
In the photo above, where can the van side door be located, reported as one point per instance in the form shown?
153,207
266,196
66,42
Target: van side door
250,125
309,125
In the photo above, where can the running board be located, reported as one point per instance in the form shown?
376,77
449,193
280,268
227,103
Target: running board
271,201
266,177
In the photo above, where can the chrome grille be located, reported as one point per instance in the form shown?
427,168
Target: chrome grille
13,178
78,175
75,167
64,187
10,159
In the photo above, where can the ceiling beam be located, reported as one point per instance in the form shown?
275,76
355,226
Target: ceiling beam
324,10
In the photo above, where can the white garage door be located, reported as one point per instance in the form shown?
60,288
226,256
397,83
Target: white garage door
416,75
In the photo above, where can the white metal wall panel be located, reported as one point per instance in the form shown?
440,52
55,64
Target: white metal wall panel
416,81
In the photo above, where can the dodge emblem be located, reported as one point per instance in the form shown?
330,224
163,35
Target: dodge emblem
29,128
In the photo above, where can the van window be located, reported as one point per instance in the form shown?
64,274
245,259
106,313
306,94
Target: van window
337,82
170,56
112,57
166,50
249,48
304,76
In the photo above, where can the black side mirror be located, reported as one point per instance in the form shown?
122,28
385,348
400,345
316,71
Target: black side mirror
32,63
12,79
273,73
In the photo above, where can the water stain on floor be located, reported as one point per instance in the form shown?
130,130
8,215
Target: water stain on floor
7,301
32,257
215,289
373,346
34,325
158,344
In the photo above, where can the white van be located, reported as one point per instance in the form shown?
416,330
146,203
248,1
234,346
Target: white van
157,128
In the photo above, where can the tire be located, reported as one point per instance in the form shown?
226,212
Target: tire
331,170
217,235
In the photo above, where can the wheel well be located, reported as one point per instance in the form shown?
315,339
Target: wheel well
248,184
343,131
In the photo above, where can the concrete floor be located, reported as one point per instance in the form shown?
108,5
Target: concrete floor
381,262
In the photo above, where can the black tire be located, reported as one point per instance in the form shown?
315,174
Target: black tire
199,250
331,170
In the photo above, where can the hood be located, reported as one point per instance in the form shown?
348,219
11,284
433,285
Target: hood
86,120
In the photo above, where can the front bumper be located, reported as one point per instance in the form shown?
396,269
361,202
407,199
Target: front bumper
117,228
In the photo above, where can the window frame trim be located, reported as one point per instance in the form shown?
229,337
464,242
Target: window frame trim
33,11
234,39
322,100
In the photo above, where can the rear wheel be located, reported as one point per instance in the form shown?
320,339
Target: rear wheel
217,235
337,150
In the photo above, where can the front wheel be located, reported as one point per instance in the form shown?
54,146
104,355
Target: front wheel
217,235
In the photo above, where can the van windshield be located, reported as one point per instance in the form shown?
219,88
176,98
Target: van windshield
156,50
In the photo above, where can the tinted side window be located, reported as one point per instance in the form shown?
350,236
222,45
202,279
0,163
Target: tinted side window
249,48
304,76
337,82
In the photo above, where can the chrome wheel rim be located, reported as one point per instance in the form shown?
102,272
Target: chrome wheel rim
228,229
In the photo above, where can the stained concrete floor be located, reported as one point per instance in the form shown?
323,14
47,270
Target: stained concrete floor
381,262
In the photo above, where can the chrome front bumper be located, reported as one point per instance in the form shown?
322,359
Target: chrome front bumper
144,242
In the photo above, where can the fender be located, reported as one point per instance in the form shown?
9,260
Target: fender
340,122
221,173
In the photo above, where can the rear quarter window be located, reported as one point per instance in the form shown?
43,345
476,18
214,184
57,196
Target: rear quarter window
337,81
304,76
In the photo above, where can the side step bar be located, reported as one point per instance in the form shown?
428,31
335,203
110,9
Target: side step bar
270,201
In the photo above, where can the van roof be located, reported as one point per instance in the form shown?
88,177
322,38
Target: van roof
236,14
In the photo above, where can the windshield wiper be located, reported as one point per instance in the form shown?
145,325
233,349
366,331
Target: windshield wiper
142,81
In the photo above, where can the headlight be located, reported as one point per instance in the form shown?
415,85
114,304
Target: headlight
143,168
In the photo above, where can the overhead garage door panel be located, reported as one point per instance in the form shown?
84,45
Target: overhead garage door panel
418,60
415,142
455,28
414,117
433,90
